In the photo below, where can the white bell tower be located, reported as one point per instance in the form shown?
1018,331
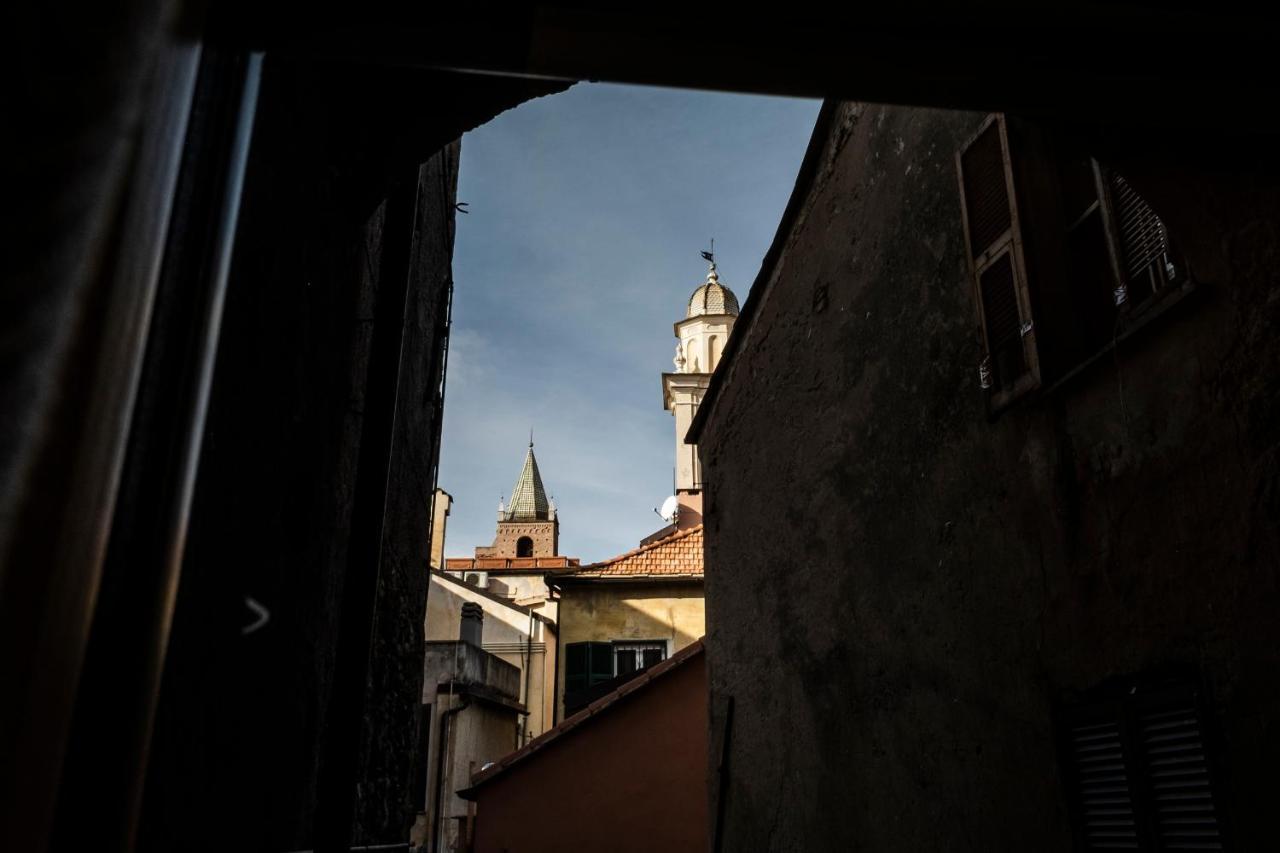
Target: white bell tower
701,336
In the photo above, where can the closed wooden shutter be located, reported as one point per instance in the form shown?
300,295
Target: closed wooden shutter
1103,789
601,662
994,242
575,667
1138,772
1175,768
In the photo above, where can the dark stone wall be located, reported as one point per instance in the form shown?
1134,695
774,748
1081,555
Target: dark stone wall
394,693
350,186
899,589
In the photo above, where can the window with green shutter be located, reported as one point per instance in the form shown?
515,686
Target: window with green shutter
586,665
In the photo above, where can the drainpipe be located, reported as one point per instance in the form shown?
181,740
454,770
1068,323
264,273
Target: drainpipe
441,750
528,676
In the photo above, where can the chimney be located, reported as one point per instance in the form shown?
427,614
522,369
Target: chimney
472,624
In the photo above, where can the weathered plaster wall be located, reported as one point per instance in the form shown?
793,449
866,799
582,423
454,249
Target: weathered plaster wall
478,733
603,612
510,633
894,623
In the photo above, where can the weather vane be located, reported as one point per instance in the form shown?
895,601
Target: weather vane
710,256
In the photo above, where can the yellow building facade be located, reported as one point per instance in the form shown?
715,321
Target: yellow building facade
627,613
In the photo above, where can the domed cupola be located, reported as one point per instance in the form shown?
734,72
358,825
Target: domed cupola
712,297
701,336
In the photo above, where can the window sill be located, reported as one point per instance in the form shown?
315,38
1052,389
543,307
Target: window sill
1147,313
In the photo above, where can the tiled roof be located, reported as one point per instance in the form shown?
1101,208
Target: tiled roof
678,555
492,564
528,497
584,716
712,298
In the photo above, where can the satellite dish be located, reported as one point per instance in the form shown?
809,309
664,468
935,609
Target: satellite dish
669,509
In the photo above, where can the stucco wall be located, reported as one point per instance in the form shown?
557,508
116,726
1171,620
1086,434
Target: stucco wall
895,623
507,635
478,733
603,612
633,778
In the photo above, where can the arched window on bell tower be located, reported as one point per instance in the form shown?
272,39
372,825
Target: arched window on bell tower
524,547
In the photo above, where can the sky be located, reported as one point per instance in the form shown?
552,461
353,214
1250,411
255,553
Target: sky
586,213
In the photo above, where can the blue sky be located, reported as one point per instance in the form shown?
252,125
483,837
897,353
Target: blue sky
587,211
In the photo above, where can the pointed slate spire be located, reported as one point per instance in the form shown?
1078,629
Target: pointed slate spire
528,497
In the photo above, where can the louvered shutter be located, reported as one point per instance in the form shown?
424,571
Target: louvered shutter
1175,771
575,667
601,662
994,244
1138,772
1102,789
1144,242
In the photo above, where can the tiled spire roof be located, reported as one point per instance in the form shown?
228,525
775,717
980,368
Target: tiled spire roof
528,497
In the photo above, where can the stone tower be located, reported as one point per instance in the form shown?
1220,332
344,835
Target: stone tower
528,527
709,318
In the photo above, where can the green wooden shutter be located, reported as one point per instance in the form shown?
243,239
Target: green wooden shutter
993,239
575,667
601,662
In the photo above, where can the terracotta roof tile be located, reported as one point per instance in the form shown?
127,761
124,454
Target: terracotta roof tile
678,555
526,564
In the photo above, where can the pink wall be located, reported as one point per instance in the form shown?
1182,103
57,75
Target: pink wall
633,778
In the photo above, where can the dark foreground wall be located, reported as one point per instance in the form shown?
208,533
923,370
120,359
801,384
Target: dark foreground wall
313,494
901,593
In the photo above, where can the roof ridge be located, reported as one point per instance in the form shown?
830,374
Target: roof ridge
572,722
666,540
497,599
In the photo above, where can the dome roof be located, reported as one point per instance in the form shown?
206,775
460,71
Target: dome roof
712,298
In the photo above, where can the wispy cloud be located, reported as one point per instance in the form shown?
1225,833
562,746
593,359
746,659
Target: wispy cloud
588,210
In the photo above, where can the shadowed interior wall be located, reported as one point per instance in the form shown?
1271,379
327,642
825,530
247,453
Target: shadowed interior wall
246,720
894,628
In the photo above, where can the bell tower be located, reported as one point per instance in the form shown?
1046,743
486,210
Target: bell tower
528,526
701,335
